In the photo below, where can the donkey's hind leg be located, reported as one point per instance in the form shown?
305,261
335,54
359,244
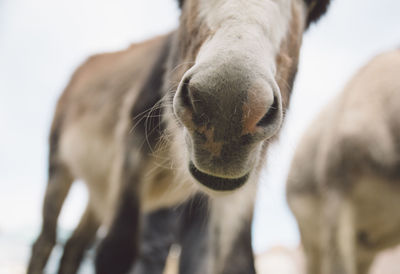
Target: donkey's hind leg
338,235
81,239
57,189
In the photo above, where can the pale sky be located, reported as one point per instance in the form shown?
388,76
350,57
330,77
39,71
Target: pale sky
43,41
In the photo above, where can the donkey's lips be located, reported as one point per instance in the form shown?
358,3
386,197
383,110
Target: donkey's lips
217,183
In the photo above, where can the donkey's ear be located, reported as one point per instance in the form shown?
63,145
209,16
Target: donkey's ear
180,3
316,8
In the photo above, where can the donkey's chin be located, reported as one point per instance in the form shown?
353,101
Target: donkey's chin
215,183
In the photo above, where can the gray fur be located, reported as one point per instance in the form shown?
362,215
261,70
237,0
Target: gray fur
116,128
344,183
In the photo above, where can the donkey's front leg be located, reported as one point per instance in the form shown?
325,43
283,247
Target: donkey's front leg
193,236
120,248
214,241
338,235
230,232
240,259
158,234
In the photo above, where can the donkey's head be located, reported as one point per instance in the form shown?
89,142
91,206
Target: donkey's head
239,61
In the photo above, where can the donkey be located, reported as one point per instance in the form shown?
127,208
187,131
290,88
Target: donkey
344,182
192,111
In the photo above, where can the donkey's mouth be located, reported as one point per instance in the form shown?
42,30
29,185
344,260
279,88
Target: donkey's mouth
217,183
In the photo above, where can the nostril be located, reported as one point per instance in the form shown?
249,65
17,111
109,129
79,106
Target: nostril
270,116
185,96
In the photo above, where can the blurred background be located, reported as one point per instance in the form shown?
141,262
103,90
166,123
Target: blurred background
43,41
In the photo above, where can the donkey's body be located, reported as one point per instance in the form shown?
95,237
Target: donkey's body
192,111
87,133
344,184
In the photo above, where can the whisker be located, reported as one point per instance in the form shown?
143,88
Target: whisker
156,106
182,64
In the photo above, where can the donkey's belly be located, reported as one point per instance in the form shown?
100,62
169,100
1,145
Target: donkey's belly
89,156
87,153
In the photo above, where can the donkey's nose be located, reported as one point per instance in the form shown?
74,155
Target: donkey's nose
261,117
230,110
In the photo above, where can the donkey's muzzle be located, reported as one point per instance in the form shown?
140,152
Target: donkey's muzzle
228,114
